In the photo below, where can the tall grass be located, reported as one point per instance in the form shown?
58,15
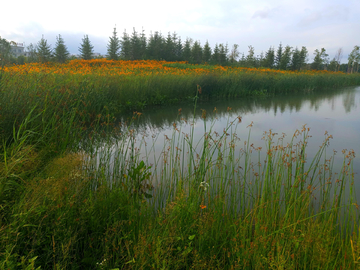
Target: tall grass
76,193
197,204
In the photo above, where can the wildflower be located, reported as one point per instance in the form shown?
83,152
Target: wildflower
202,206
204,185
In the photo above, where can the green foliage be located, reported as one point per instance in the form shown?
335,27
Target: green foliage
320,59
86,49
113,47
61,52
284,63
269,60
44,52
5,52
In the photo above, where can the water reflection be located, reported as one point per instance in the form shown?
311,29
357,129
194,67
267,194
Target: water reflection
334,111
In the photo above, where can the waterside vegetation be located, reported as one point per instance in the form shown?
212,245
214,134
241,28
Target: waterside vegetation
70,201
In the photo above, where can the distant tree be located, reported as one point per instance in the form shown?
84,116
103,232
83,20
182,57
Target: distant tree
178,49
332,65
215,58
278,56
187,50
44,51
269,60
320,59
260,60
354,59
31,52
136,53
223,53
61,52
125,42
250,58
196,53
295,60
285,58
86,49
155,46
113,47
338,57
234,54
169,48
303,57
5,52
143,44
206,53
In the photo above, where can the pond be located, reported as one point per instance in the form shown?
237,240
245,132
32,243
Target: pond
331,112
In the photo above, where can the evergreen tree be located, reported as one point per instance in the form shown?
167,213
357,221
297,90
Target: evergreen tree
143,45
86,49
215,58
285,58
113,47
295,60
223,52
135,46
155,46
179,50
320,59
61,52
43,51
187,50
303,57
279,53
125,42
269,60
207,52
169,50
196,53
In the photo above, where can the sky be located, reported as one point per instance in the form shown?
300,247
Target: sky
316,24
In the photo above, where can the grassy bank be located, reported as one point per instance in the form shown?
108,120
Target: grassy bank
70,199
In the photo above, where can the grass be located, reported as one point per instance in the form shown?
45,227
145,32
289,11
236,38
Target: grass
74,197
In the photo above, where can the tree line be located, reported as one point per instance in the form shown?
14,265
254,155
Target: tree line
136,46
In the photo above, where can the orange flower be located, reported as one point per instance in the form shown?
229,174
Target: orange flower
202,206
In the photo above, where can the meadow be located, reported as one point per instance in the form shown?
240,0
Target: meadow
69,202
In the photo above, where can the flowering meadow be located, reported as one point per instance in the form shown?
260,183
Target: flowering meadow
69,201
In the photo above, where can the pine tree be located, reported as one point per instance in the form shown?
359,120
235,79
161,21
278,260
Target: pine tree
303,57
61,52
279,53
215,58
207,52
196,53
113,47
295,60
31,52
155,46
285,58
187,50
86,49
269,60
43,51
125,42
135,46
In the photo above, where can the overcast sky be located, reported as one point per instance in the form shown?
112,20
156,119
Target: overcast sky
316,24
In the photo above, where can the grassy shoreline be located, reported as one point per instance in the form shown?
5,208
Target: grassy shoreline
204,205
